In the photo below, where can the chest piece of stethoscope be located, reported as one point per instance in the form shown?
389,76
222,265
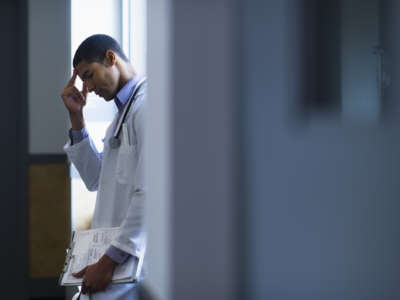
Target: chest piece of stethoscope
114,142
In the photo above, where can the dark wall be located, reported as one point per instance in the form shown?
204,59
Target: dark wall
13,144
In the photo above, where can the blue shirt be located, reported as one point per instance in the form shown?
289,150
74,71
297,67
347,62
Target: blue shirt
77,136
124,94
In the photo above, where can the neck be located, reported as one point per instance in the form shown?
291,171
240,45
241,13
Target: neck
126,73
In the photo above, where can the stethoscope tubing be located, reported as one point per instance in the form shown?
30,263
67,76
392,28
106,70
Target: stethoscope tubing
115,141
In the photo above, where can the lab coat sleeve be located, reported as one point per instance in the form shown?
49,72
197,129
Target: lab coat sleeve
132,237
87,161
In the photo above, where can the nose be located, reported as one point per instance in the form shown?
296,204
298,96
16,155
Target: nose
89,86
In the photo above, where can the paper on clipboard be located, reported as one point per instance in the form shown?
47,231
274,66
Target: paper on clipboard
87,247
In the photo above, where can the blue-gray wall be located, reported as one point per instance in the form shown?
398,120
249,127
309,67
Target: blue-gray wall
322,194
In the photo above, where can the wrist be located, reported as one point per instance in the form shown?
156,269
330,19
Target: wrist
77,122
108,262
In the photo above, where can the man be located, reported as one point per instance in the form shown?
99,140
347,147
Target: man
117,173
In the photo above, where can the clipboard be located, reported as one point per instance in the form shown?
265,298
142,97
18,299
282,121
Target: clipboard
86,247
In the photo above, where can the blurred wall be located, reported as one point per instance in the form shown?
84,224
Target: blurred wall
322,192
317,216
204,93
158,149
191,206
49,66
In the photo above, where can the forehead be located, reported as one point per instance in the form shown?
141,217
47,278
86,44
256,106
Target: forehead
85,66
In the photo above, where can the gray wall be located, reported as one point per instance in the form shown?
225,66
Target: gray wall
192,183
203,153
322,195
49,66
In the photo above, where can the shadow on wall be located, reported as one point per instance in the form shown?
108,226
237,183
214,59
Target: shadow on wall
340,56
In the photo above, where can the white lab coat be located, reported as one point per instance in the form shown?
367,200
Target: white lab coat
117,175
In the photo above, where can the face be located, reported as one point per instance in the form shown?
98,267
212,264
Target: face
101,78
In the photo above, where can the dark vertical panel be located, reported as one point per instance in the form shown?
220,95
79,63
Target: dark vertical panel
318,37
12,145
327,27
22,128
22,144
389,32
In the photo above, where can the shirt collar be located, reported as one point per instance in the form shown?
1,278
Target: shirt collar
123,95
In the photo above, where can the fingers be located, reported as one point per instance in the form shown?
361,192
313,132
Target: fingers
85,288
76,94
92,287
71,82
80,273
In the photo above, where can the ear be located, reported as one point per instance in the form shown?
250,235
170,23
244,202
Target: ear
110,58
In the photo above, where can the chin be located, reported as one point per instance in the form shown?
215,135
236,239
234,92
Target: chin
108,98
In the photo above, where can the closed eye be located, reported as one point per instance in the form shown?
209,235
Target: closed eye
87,75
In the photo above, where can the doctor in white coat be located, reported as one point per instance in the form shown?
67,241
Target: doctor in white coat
117,173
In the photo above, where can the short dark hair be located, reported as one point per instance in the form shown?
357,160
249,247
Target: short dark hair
94,49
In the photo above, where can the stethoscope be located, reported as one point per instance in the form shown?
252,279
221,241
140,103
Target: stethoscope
115,140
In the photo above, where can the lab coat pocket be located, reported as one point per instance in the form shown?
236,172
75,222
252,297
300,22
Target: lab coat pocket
126,164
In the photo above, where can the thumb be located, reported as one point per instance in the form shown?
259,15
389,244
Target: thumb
80,273
84,90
